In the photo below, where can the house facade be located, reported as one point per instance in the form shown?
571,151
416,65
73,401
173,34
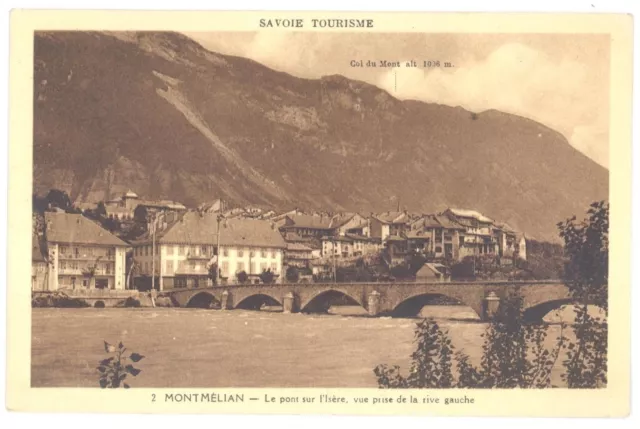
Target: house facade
187,248
436,236
349,245
82,254
387,224
478,236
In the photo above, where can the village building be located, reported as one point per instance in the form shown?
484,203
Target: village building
345,223
478,236
39,271
82,254
307,225
435,236
349,245
186,249
298,255
433,272
387,224
129,205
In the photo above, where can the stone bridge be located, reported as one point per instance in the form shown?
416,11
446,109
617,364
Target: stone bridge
394,299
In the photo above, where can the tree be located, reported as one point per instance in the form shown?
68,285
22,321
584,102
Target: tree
293,275
514,355
586,271
586,276
267,276
101,210
60,199
90,272
242,277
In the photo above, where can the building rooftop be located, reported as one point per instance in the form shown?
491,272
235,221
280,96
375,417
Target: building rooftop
392,217
470,214
308,221
71,228
202,228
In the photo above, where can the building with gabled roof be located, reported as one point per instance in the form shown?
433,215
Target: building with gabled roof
385,224
478,237
186,249
82,254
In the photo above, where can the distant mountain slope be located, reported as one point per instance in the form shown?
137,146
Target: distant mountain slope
157,113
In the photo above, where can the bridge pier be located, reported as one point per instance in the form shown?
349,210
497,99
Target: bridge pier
225,301
490,306
289,303
374,303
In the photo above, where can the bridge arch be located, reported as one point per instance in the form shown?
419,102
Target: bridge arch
99,304
536,313
256,300
411,306
320,302
202,300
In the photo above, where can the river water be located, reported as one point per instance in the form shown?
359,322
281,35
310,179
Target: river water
213,348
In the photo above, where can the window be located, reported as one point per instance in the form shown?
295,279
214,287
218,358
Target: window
63,250
252,268
225,251
204,250
225,269
146,250
461,240
169,250
73,265
273,255
274,267
438,249
252,254
263,266
169,267
239,267
180,250
63,265
240,253
263,254
194,250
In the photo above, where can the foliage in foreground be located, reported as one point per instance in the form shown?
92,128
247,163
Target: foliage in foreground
514,353
587,276
114,370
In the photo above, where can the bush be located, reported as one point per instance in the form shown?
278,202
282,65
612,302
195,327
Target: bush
292,275
132,302
114,370
267,276
242,277
66,302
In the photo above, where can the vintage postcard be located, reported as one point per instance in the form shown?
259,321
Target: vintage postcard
329,213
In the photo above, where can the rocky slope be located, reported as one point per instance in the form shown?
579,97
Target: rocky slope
158,113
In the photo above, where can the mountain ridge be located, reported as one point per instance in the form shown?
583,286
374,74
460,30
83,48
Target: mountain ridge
172,120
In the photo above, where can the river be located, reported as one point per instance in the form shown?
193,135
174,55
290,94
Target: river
213,348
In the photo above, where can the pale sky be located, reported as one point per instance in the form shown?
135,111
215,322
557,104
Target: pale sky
561,81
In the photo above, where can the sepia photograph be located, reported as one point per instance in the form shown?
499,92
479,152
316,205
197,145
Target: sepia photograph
311,204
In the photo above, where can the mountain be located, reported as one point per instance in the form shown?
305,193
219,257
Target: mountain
158,113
